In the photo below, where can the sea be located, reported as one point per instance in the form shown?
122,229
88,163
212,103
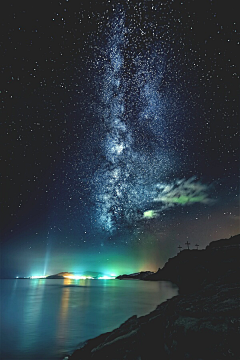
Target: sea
46,319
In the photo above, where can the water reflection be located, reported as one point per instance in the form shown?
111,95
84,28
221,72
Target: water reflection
63,311
74,308
16,282
32,313
43,319
166,290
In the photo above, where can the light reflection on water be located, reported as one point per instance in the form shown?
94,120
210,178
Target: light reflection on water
45,319
32,310
63,312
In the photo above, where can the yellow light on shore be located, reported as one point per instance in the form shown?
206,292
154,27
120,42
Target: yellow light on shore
77,277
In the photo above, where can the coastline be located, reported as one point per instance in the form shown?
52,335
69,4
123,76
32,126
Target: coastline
202,322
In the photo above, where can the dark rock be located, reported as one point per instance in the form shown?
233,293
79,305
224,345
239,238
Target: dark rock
233,242
204,325
191,269
200,324
138,276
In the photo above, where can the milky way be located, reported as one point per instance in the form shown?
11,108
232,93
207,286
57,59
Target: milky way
125,177
134,106
120,129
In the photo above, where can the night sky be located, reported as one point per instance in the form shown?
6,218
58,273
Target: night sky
119,132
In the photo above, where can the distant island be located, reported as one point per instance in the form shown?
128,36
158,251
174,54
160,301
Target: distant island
87,275
202,322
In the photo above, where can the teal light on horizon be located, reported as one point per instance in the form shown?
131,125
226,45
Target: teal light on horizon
76,277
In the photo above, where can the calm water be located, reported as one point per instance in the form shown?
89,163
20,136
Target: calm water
46,319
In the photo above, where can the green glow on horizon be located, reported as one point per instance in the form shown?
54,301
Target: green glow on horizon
94,265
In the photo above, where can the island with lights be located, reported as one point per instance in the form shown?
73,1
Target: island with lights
86,276
202,322
72,276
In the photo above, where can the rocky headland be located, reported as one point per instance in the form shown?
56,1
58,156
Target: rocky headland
201,323
142,275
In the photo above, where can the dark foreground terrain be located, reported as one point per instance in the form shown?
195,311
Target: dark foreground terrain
201,323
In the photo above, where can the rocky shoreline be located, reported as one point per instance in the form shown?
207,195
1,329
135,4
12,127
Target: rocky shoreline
201,323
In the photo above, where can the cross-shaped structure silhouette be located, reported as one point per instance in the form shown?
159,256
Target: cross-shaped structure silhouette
187,243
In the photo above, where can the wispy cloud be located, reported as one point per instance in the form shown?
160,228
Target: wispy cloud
183,192
179,192
150,214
